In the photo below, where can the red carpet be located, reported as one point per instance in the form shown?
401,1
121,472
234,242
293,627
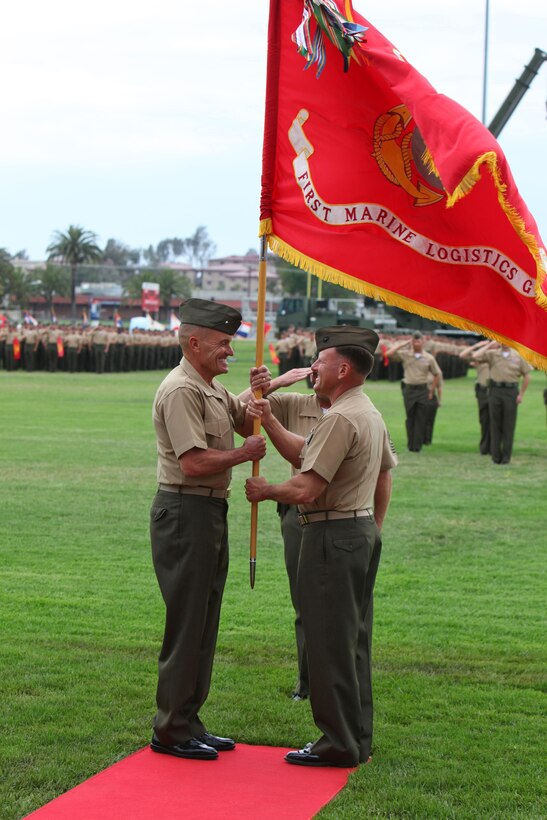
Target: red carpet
248,783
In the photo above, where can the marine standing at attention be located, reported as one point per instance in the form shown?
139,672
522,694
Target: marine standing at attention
194,417
342,491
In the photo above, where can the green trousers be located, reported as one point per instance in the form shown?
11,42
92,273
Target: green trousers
502,404
292,539
189,536
481,392
336,574
415,399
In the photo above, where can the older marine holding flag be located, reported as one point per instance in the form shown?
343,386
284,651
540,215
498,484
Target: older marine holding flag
194,418
342,491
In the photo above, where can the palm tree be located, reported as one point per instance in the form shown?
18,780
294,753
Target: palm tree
74,247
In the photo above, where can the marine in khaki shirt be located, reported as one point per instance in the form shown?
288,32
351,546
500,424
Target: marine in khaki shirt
482,369
343,490
348,448
194,418
298,413
504,396
505,365
417,366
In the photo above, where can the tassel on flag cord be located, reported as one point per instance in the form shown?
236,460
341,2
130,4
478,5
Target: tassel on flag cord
374,181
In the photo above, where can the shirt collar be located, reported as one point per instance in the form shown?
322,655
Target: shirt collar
189,370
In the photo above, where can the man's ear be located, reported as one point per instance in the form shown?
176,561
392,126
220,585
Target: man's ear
343,369
193,344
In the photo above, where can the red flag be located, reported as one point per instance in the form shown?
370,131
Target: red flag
373,180
60,347
16,349
273,355
267,328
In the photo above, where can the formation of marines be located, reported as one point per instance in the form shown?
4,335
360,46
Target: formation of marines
93,349
296,348
420,362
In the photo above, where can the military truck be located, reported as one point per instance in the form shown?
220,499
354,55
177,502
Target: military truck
298,311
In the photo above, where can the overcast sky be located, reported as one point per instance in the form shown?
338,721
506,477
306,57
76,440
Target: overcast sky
142,120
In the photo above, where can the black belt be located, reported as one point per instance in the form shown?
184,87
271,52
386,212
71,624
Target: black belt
503,384
182,489
333,515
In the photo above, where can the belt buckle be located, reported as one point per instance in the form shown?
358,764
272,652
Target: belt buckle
303,519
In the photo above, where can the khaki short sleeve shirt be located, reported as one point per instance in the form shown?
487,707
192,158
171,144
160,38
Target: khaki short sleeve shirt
100,337
297,412
30,337
504,368
417,366
190,413
348,448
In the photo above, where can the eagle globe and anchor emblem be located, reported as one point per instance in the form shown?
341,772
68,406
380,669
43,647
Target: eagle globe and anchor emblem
399,150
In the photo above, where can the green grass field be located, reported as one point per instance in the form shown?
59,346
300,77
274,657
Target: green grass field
459,643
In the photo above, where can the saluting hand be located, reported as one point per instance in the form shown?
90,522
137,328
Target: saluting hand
293,376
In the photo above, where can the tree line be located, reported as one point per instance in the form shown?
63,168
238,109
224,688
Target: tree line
75,253
74,256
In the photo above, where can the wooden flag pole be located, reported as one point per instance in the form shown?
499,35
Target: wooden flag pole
260,319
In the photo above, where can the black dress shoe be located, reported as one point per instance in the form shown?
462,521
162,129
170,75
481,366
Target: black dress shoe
303,757
221,744
297,697
192,749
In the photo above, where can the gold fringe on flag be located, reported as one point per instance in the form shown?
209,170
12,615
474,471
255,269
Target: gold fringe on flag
337,277
466,185
429,163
